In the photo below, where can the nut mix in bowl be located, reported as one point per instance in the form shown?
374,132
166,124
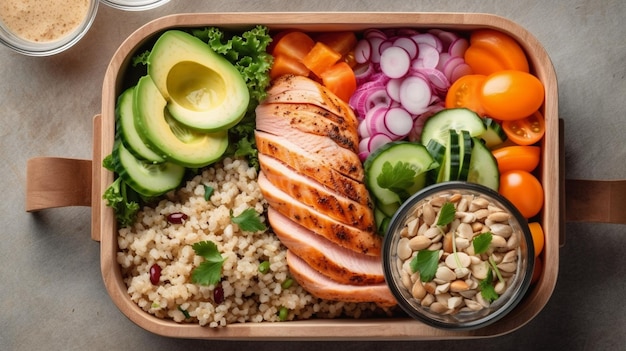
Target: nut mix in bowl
458,255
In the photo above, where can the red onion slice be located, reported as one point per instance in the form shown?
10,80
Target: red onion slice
415,94
395,62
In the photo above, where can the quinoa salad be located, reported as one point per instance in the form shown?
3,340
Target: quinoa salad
245,293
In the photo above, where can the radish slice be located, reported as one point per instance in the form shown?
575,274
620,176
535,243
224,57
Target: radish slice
428,38
375,120
374,33
362,51
458,47
446,38
428,56
443,58
459,71
449,67
378,97
375,43
362,129
436,78
364,145
398,121
385,45
407,44
393,88
395,62
377,140
415,94
363,72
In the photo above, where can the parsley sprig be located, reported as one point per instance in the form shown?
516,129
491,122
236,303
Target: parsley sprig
397,178
208,272
249,220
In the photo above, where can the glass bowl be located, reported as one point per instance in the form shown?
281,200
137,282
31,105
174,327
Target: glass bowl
458,298
134,5
39,37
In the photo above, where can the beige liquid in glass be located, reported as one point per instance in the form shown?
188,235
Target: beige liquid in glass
42,20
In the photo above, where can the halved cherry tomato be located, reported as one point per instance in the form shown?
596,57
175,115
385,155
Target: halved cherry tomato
525,131
287,65
320,58
342,42
293,44
523,190
508,95
340,79
465,91
524,158
491,51
538,237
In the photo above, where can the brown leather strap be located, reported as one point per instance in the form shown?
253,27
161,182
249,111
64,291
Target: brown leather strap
57,182
595,200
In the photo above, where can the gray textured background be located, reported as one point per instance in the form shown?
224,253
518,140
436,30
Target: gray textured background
52,294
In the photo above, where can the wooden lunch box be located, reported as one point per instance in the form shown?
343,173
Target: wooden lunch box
71,182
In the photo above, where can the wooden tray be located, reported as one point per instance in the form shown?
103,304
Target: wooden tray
52,182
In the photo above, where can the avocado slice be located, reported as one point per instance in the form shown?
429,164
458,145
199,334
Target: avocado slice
203,90
127,131
174,141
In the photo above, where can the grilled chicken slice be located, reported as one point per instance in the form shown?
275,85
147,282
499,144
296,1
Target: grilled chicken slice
325,288
310,119
349,237
299,89
314,166
314,146
313,194
337,263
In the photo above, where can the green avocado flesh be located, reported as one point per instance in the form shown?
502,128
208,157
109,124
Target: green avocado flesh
202,90
174,141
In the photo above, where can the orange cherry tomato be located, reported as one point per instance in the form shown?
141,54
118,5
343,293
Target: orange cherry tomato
508,95
320,58
342,42
538,237
292,44
465,91
523,190
524,158
525,131
340,79
491,51
538,269
287,65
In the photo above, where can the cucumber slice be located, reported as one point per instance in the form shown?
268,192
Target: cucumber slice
127,131
146,178
452,162
388,210
457,119
483,168
438,152
414,155
382,221
494,135
465,150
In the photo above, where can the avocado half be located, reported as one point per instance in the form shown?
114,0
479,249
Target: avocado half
203,90
162,133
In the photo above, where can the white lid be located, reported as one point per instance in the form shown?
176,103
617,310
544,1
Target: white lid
134,5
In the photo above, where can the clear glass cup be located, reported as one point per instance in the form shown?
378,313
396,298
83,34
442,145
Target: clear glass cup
134,5
15,42
465,319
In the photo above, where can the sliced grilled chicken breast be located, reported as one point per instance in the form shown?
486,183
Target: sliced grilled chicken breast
310,119
313,166
349,237
298,89
325,288
314,194
337,263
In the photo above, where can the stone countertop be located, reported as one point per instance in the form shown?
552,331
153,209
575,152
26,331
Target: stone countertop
53,296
